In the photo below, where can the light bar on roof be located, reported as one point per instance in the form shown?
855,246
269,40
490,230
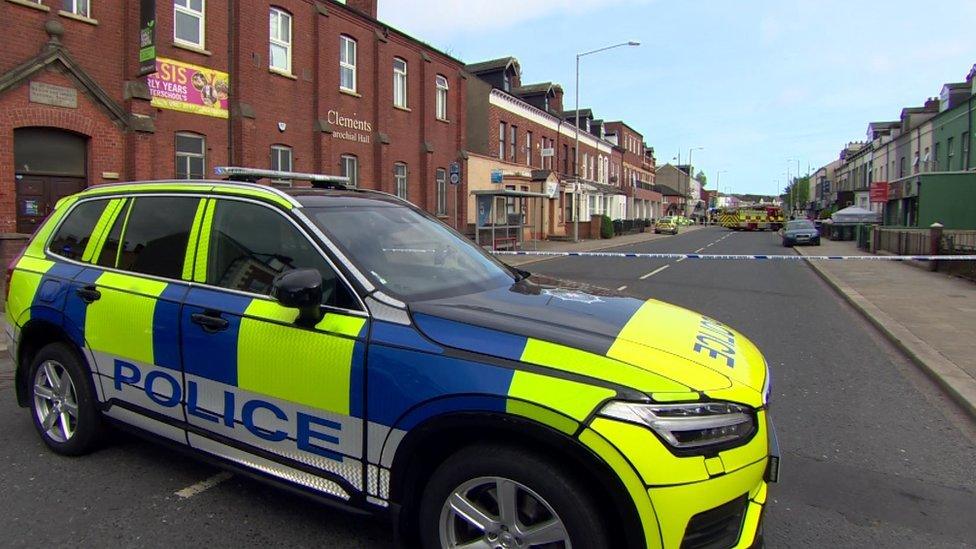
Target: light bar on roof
237,172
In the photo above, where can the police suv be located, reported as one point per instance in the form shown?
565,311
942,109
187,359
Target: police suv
349,345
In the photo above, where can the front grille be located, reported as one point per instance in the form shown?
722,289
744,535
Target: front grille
716,528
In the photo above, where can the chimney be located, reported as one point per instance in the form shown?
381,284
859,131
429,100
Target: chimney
556,105
366,7
932,104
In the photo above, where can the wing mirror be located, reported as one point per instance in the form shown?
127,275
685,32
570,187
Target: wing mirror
300,289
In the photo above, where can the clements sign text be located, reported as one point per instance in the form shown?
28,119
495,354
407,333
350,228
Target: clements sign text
354,128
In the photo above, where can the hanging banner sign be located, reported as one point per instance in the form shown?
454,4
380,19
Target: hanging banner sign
189,88
147,37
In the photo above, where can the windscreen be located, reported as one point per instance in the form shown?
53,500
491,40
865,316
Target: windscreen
408,254
801,224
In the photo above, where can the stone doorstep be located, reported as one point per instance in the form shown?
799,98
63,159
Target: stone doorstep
953,379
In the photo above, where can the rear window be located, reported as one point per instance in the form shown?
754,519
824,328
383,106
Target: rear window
75,232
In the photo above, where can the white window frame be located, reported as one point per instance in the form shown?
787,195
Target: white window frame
442,87
186,156
400,180
345,64
502,138
528,148
201,16
74,6
275,39
345,161
440,179
277,152
400,83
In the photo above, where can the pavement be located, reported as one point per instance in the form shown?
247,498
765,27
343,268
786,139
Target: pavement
930,316
875,454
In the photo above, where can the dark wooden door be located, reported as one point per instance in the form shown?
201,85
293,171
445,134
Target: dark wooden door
37,195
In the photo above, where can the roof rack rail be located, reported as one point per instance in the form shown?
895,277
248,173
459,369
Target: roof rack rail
252,175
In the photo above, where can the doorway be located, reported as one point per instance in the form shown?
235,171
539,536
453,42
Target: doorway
49,164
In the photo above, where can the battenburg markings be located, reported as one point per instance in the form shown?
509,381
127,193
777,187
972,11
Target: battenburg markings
310,430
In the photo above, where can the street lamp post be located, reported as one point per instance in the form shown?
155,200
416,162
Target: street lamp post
576,185
690,169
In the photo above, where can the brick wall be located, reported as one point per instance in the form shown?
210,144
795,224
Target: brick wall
236,41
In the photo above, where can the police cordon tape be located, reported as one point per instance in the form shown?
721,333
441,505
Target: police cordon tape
741,257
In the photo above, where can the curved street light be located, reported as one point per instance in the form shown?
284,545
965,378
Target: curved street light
576,185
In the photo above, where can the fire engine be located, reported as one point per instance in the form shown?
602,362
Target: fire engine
753,218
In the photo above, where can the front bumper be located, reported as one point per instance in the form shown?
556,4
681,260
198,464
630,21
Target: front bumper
715,502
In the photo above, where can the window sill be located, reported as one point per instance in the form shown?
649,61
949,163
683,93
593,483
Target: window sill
282,73
349,92
404,109
443,120
191,47
33,5
76,17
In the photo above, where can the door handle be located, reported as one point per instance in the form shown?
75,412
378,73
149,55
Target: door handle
88,294
209,322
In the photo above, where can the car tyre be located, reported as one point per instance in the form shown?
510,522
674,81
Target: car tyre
62,401
549,503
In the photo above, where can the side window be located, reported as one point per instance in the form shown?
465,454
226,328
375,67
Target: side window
251,244
73,234
150,236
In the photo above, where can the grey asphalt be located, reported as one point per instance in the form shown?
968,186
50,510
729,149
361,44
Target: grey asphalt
874,453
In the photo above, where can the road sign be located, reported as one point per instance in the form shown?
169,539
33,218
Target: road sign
548,152
455,173
496,176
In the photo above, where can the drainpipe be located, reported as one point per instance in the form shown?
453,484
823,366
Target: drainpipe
234,79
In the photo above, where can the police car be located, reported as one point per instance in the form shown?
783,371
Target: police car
347,344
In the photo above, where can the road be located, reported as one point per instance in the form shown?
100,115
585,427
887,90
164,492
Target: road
874,454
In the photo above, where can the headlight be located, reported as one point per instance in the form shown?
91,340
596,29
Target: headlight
691,426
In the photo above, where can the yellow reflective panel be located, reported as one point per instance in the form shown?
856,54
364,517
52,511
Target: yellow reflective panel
291,363
572,398
24,282
714,466
676,505
43,234
568,359
756,449
210,187
101,230
675,397
544,416
737,393
750,525
201,260
627,475
692,337
655,463
120,323
191,248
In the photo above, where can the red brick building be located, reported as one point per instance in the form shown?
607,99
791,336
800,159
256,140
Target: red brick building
523,133
328,89
637,171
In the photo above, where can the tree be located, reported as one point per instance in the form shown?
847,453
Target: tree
702,178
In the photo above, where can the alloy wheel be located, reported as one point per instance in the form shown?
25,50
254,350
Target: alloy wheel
499,513
55,401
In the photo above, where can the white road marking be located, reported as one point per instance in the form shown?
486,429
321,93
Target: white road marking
622,288
204,485
680,259
654,272
699,250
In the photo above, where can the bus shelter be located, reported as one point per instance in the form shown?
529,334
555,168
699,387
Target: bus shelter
502,217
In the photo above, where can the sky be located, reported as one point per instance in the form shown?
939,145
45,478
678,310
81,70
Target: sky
754,82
